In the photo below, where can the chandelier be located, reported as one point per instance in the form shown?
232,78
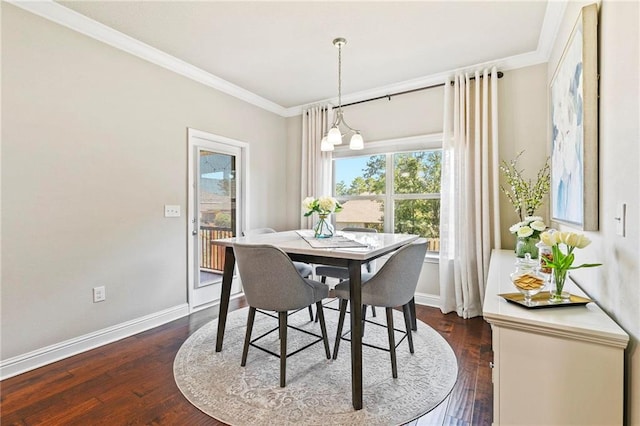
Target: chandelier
334,136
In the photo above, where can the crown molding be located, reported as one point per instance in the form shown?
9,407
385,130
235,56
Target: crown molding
59,14
550,26
504,64
71,19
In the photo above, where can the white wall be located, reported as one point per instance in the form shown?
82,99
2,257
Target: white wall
522,105
615,285
94,143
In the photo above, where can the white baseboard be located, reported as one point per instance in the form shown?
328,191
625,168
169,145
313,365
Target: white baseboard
427,300
49,354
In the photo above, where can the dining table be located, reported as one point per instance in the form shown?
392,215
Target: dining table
336,251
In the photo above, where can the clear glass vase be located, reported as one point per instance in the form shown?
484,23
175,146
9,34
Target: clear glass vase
526,245
323,227
556,292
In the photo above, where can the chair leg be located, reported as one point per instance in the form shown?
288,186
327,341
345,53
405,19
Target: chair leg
323,328
364,317
412,306
247,337
310,313
282,325
406,309
392,343
373,311
343,312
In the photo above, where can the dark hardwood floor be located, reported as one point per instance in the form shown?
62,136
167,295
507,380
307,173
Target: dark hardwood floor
130,382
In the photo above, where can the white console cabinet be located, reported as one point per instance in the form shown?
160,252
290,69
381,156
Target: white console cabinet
552,366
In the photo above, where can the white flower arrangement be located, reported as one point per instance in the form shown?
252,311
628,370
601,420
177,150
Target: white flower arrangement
323,205
530,227
562,261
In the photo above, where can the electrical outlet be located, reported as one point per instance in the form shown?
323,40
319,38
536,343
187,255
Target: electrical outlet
99,294
171,210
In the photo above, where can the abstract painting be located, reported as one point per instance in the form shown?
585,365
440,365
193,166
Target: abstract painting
574,119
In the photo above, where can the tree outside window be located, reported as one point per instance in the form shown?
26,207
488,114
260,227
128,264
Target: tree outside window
411,200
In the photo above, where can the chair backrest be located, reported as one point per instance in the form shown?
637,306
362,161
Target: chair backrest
258,231
370,266
270,280
395,283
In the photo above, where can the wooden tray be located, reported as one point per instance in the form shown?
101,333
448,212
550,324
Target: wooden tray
541,300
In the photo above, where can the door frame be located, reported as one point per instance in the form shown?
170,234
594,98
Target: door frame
200,139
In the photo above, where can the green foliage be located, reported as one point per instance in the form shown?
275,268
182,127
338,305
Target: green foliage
222,220
414,173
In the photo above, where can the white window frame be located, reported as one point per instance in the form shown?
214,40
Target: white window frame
388,148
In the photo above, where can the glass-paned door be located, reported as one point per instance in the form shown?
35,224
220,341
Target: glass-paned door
216,210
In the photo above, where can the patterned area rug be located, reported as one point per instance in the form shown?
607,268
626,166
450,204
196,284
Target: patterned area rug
318,390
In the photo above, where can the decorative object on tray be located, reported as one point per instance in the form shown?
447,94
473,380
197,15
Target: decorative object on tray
574,119
544,252
541,300
562,261
527,234
323,206
527,279
525,195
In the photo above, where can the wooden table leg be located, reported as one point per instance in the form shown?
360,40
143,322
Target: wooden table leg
355,292
227,280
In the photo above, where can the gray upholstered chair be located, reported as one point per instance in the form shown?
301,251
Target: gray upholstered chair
393,285
304,269
272,283
342,273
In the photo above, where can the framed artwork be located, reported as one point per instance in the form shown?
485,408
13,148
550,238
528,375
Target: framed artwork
574,132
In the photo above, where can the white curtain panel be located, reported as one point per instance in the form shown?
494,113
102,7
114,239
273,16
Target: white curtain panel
316,165
469,212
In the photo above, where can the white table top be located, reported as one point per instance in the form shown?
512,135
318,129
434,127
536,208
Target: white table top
291,242
589,323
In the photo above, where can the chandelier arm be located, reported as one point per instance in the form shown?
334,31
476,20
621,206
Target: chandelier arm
349,127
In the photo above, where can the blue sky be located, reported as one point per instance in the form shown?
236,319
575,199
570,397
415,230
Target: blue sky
349,168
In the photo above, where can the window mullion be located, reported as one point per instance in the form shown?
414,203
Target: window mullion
389,212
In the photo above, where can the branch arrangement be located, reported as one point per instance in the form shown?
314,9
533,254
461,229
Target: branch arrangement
525,196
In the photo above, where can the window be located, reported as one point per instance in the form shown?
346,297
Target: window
396,191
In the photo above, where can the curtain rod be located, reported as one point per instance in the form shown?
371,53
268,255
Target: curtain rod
500,74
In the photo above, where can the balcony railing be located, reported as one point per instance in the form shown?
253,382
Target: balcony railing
212,256
433,244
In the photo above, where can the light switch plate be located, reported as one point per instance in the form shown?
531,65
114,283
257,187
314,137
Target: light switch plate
621,213
171,210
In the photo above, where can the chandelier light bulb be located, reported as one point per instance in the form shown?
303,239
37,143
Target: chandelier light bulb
334,136
325,145
356,141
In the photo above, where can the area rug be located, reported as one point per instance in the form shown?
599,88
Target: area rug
318,390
